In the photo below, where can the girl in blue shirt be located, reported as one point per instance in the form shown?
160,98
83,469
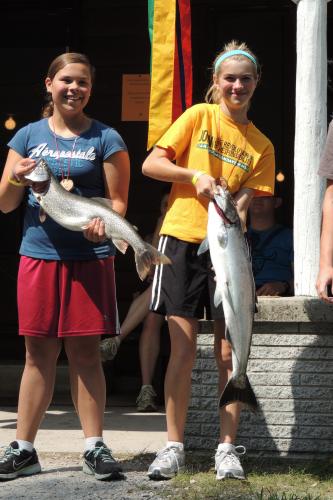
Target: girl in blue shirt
66,291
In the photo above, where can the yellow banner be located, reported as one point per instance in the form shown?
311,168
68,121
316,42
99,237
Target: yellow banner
162,70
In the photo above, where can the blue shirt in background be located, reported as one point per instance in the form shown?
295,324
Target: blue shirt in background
272,254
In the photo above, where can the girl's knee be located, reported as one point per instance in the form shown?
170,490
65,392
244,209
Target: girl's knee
184,357
42,352
82,352
223,355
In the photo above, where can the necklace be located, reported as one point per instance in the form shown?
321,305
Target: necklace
66,182
222,180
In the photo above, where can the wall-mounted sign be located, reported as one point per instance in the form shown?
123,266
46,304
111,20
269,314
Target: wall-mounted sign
135,98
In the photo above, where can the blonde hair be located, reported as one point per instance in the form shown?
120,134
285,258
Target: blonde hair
213,94
56,65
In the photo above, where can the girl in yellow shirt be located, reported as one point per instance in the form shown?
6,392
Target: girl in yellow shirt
210,140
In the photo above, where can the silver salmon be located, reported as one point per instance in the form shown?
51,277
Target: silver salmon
75,212
234,289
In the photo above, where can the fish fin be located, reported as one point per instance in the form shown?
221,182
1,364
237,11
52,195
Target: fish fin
149,257
103,201
217,297
228,299
227,335
204,247
121,245
232,392
255,304
42,215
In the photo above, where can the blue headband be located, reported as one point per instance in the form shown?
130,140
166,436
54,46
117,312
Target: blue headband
234,53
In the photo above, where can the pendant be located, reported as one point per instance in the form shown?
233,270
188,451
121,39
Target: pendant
67,184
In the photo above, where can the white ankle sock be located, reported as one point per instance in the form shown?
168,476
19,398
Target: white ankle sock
225,447
25,445
176,444
90,442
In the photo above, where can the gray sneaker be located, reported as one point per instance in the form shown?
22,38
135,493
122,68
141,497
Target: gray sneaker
168,462
109,348
227,463
146,399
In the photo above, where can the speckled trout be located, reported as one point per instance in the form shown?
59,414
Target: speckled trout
75,212
234,289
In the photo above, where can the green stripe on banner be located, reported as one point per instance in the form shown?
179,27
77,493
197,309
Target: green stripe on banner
151,26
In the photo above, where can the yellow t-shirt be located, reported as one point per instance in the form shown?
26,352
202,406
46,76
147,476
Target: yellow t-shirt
204,138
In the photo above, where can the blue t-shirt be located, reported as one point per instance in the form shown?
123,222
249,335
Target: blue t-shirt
272,254
49,240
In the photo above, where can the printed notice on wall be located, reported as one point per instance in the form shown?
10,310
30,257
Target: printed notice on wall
135,98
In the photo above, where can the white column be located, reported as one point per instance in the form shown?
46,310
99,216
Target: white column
310,135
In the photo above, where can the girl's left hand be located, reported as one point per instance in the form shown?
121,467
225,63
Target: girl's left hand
95,231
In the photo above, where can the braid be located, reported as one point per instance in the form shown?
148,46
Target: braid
47,109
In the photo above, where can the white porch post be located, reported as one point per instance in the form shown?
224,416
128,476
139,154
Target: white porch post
310,135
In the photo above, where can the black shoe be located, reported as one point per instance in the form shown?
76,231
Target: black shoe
15,462
99,461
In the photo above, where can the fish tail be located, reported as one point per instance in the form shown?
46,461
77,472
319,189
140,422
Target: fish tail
147,258
232,392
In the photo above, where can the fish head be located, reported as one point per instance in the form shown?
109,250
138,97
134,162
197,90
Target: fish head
40,173
225,205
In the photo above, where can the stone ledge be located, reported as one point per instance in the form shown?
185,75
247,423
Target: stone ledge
299,309
290,368
303,309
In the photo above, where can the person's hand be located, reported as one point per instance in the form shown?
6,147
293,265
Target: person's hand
324,279
95,231
22,168
205,186
272,289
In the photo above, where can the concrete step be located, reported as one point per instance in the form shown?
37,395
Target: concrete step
126,387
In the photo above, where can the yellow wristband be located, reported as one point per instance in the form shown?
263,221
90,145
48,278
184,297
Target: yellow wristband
196,176
14,182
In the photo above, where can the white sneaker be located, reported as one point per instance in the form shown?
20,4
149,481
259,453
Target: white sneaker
168,462
227,463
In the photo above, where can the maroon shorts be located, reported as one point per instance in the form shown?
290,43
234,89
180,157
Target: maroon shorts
67,298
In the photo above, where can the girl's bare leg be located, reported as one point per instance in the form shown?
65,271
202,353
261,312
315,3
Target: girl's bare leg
183,332
87,382
37,384
229,414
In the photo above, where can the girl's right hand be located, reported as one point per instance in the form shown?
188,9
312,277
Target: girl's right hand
205,186
22,168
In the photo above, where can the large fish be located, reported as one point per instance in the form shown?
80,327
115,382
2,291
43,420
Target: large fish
75,212
234,289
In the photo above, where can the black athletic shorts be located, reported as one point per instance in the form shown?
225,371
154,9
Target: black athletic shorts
186,287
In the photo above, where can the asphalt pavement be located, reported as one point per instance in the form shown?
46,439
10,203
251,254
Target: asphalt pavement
133,437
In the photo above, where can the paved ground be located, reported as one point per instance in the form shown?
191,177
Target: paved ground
133,437
126,431
68,482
